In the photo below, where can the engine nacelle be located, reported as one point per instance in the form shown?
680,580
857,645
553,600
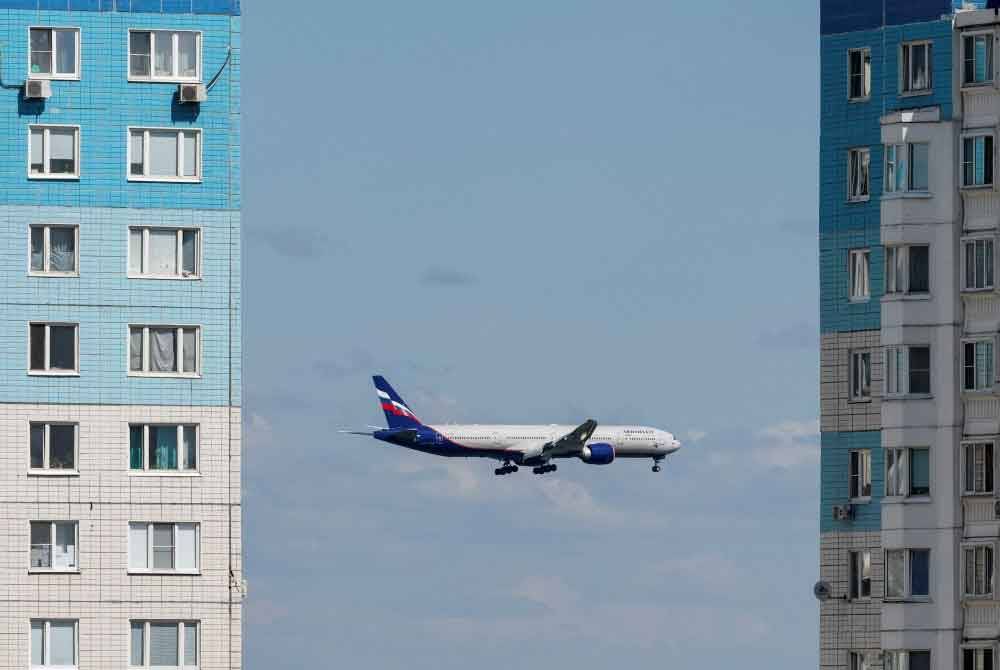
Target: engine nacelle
598,454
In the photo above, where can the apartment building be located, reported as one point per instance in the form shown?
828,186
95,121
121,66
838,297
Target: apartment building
120,334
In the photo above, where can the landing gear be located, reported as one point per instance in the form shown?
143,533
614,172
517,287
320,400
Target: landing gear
656,465
505,470
542,469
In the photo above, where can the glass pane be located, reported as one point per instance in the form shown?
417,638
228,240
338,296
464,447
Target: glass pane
187,546
37,249
920,660
920,370
163,350
37,642
135,447
41,51
41,541
162,153
187,54
190,350
894,574
139,43
919,158
191,644
979,149
135,251
163,641
919,56
62,151
138,548
37,445
138,66
66,52
163,64
919,572
136,654
163,455
920,472
62,639
37,347
188,252
190,154
64,552
190,448
135,350
62,249
919,269
163,252
62,354
62,443
36,155
163,546
135,153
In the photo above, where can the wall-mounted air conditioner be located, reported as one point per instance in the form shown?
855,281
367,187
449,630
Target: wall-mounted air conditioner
37,89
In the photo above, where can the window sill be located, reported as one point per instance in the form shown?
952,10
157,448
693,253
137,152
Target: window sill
907,195
853,101
979,291
917,93
163,80
163,573
166,277
53,571
976,86
909,396
165,375
54,373
35,76
53,473
978,496
161,473
859,401
906,500
978,393
905,297
55,177
856,201
860,501
53,274
165,180
859,301
920,600
969,598
976,188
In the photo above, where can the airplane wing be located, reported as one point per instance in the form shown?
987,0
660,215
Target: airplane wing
571,443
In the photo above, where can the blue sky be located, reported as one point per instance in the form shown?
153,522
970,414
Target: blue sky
531,212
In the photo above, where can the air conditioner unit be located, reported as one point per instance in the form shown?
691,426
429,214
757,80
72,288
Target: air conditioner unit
843,512
37,89
192,93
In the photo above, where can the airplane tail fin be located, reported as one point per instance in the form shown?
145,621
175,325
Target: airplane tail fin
397,414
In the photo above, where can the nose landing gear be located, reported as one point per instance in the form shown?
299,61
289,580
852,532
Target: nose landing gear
656,464
505,470
542,469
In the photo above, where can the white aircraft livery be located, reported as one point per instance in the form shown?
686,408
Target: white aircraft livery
514,446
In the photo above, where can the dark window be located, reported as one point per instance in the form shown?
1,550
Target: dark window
919,269
920,370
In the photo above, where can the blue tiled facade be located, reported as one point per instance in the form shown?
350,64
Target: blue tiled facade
835,451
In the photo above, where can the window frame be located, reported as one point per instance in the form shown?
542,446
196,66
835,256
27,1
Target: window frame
179,353
47,371
889,189
181,625
53,75
863,477
52,543
198,158
855,570
146,470
972,240
991,58
47,643
903,457
153,78
906,78
852,255
895,254
890,371
46,248
907,575
972,135
46,155
866,77
990,340
974,546
47,470
966,446
855,359
149,570
861,151
978,650
146,230
902,658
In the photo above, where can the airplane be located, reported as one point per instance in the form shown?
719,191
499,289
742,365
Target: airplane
517,446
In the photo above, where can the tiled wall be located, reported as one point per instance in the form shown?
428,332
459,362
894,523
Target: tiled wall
838,412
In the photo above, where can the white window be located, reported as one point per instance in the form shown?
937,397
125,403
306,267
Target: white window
858,164
978,468
860,274
54,53
163,547
977,58
53,348
52,447
861,375
860,474
53,545
163,447
978,562
164,253
907,472
53,152
907,270
164,154
54,250
859,65
54,643
977,160
977,659
164,55
861,574
915,72
907,574
856,661
977,365
906,660
979,264
906,168
163,644
908,370
163,350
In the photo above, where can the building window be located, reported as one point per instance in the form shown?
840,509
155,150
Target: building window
977,160
861,375
978,570
859,271
906,168
155,447
977,659
163,350
916,67
55,250
907,573
908,472
52,348
977,365
164,253
53,152
53,446
53,545
53,644
908,370
906,660
978,468
163,644
163,547
164,55
979,264
907,270
858,163
859,63
861,574
55,53
856,660
860,475
164,154
977,59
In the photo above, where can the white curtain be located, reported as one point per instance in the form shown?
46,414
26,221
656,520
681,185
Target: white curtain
190,154
136,657
64,552
135,251
65,51
187,48
62,147
162,153
62,249
190,350
137,548
135,350
163,252
36,152
163,59
187,546
162,350
190,644
37,642
136,159
62,638
894,573
188,252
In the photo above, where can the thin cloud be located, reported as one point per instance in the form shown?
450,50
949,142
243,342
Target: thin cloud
298,241
789,444
448,277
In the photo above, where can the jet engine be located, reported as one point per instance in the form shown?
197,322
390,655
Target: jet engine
598,454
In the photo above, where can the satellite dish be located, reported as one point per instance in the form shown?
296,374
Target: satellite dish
821,590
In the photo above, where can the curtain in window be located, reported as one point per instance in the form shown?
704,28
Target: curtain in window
980,160
984,365
921,78
135,251
64,552
37,642
37,155
62,249
62,641
164,440
894,571
861,275
135,459
191,644
65,51
190,154
37,249
163,153
163,350
163,641
135,350
190,448
190,350
187,50
983,58
62,150
188,252
138,558
187,546
163,59
137,653
892,484
136,157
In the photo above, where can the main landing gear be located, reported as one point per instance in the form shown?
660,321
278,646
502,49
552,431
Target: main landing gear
542,469
656,465
505,470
